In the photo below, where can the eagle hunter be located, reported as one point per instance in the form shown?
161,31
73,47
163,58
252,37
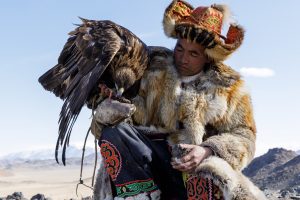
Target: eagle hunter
100,59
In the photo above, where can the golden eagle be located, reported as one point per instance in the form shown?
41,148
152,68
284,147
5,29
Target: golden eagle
97,52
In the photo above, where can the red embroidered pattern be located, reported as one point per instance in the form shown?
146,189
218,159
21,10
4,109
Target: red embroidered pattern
203,189
113,162
196,188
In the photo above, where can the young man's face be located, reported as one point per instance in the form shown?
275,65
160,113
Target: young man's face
189,57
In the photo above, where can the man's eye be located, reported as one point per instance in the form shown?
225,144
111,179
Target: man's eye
179,49
194,55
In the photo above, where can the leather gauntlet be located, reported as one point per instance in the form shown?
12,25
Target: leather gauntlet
109,113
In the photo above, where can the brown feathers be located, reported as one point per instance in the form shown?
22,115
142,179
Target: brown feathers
96,52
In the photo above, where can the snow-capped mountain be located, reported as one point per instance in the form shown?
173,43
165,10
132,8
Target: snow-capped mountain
46,154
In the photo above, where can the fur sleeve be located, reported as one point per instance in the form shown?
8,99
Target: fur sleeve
139,117
236,131
151,89
233,147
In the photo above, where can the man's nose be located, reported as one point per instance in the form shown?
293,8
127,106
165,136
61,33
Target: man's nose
184,58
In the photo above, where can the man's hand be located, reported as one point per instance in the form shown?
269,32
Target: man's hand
196,154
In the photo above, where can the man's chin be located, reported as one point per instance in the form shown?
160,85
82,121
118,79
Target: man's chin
184,73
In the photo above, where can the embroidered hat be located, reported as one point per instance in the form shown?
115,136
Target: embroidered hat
203,25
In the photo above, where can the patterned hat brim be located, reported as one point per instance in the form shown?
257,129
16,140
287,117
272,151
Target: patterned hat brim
217,47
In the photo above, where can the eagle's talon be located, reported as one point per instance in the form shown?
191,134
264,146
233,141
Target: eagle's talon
106,91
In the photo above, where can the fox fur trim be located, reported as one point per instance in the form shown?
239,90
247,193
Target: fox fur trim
102,188
233,184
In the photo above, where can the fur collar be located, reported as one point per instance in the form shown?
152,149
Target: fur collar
214,75
221,74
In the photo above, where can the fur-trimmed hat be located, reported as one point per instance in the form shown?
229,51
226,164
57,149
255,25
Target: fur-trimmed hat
203,25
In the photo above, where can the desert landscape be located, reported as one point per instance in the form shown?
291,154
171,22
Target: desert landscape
38,173
54,182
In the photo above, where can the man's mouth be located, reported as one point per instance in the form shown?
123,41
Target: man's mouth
183,67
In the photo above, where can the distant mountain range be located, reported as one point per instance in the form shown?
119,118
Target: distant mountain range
46,158
277,173
46,154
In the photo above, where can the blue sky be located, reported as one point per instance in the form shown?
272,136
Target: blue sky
33,33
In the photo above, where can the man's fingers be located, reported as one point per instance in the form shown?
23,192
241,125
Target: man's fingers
190,155
186,166
192,159
186,146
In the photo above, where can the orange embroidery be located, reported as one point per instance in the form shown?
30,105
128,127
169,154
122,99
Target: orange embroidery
112,158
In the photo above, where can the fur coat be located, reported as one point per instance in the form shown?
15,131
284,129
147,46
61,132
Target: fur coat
213,110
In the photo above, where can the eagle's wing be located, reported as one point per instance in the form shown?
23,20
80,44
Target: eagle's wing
84,58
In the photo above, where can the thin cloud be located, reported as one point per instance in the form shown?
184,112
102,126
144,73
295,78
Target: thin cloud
257,72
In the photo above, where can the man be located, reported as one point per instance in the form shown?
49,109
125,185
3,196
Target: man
193,126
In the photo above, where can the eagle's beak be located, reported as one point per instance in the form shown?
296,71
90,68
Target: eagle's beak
120,92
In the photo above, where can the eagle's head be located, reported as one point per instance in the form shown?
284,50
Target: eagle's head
124,79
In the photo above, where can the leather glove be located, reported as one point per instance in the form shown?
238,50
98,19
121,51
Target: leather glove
109,113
